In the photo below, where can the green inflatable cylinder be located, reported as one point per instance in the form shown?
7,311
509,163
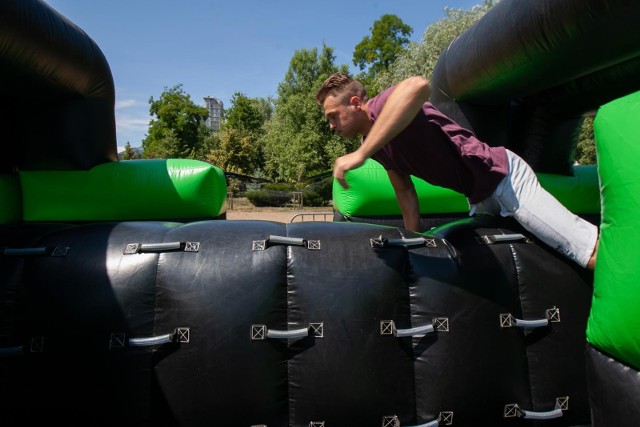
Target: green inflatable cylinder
370,193
149,189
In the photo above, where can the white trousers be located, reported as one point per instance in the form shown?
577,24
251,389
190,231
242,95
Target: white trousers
521,196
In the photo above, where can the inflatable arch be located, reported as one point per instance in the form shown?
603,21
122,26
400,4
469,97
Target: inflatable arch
127,298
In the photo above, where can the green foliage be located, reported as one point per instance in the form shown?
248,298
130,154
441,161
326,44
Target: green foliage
297,141
178,129
281,186
375,53
244,114
265,106
165,146
312,199
129,153
421,58
586,148
237,147
235,150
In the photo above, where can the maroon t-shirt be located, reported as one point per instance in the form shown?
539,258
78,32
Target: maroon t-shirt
435,148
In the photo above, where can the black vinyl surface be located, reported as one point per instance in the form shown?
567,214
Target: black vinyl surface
614,388
65,310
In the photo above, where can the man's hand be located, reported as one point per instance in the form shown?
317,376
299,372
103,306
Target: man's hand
346,163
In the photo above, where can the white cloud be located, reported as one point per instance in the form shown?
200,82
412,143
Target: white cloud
132,121
131,128
126,103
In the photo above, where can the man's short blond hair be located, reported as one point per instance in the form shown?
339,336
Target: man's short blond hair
342,87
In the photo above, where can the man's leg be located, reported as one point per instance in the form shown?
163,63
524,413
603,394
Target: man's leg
520,195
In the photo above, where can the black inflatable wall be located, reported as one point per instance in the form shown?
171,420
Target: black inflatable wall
157,323
614,388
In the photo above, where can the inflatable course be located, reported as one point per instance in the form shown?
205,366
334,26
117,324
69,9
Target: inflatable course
127,298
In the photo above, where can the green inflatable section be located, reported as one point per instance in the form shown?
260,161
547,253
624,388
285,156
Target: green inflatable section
614,323
370,193
126,190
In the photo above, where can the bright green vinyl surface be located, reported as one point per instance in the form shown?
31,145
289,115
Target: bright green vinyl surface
370,193
152,189
614,322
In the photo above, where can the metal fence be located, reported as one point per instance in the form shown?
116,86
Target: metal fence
312,216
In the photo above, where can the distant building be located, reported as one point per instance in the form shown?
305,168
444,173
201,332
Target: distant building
215,108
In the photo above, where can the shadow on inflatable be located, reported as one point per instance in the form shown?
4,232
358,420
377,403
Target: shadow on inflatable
127,298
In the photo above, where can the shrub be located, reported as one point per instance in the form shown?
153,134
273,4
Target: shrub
268,198
237,186
311,198
319,193
280,186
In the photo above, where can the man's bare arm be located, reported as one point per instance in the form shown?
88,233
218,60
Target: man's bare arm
399,110
407,199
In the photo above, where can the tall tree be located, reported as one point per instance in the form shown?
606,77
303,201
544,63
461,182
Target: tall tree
265,106
421,58
375,53
237,148
244,114
129,153
235,151
178,129
298,142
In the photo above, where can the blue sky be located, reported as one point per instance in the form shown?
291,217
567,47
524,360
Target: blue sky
216,48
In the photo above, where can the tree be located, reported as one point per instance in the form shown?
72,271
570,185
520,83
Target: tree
167,147
374,54
178,129
298,142
421,58
244,114
237,148
129,153
265,106
236,151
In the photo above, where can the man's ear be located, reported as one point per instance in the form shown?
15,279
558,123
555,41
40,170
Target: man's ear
355,101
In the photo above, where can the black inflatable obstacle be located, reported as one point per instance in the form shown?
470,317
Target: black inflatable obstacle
614,388
245,323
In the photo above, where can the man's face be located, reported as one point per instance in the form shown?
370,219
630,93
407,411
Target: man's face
343,118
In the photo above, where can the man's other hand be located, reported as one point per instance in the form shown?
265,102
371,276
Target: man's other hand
346,163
